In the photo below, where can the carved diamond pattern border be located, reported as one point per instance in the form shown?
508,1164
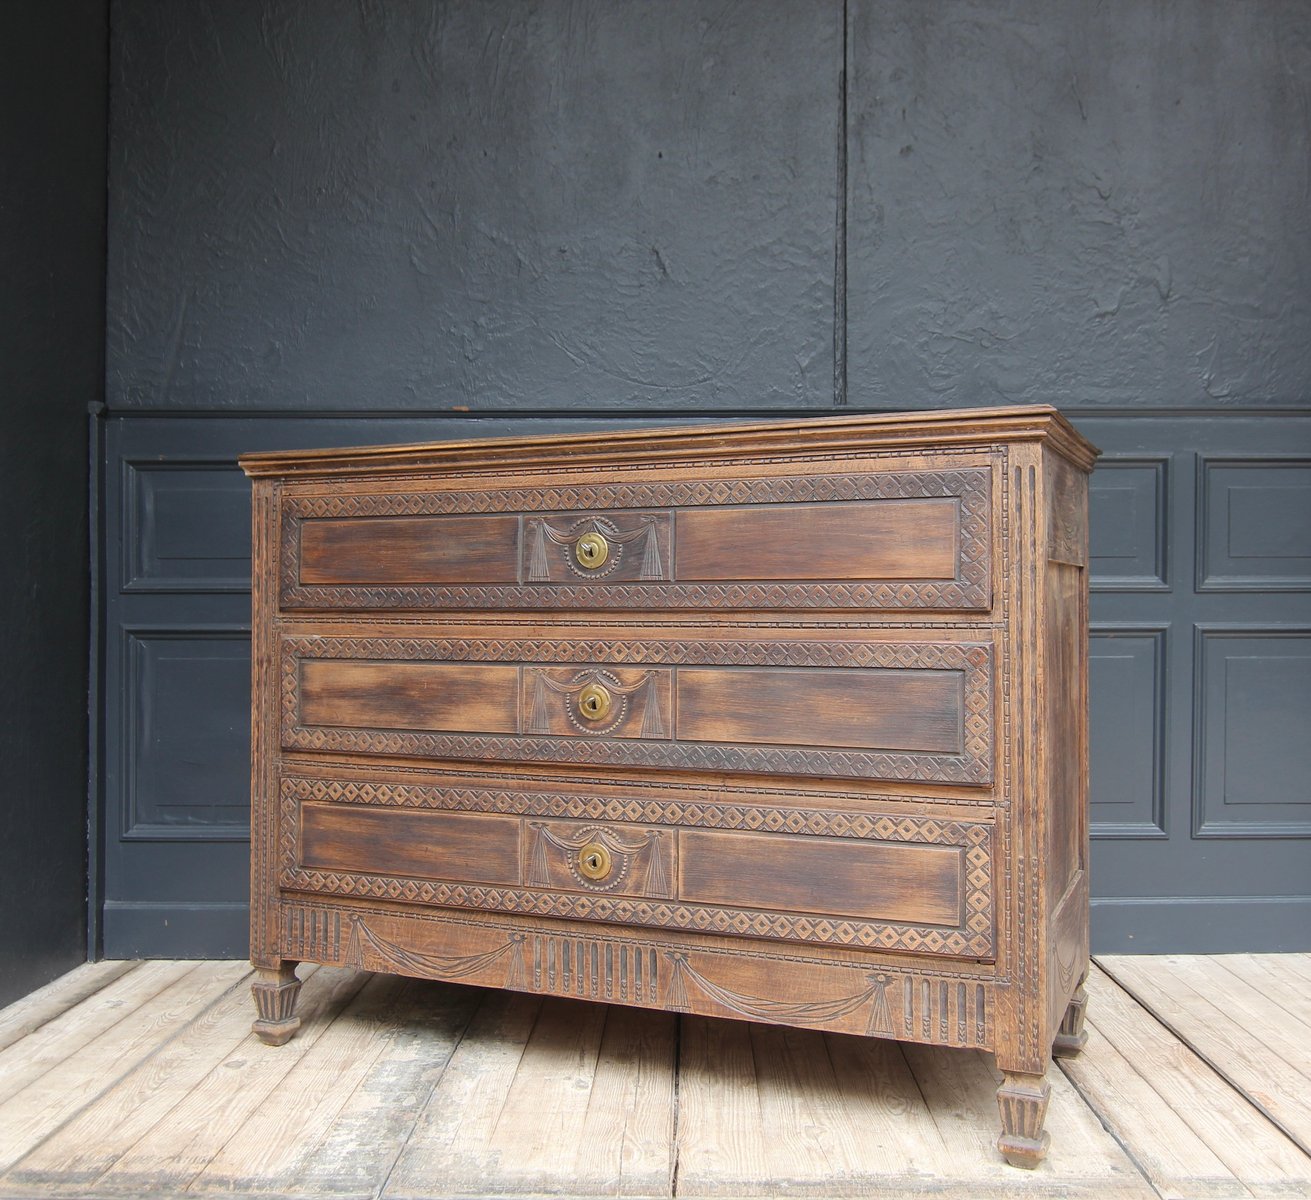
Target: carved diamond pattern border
973,590
973,659
975,938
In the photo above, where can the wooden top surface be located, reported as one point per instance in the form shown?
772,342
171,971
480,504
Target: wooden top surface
909,431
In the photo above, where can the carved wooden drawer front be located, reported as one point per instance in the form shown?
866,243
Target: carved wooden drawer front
883,540
889,880
892,710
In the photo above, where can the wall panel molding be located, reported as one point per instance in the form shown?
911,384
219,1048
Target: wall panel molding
1253,524
1127,730
1252,731
1129,523
186,526
185,733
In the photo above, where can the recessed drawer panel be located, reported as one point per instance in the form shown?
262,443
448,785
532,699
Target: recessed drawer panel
878,881
876,540
895,710
469,847
401,550
893,880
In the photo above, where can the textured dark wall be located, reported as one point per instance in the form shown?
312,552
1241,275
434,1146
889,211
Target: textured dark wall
427,206
53,63
631,206
1085,204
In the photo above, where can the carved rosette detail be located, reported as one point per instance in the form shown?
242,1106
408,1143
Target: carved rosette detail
626,853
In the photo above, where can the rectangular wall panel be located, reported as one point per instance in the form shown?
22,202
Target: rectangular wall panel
1254,525
186,751
1252,739
1127,525
186,526
1126,731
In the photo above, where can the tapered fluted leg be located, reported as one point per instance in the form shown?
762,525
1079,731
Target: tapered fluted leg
1072,1037
1023,1103
276,990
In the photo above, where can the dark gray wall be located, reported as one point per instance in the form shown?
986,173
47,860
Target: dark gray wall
434,206
53,63
1083,204
524,216
635,206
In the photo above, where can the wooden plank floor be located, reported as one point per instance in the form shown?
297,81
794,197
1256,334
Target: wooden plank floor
142,1080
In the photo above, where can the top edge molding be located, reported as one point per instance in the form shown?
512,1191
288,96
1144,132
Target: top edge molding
961,427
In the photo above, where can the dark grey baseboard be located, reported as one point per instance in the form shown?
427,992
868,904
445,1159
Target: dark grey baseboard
1203,925
191,930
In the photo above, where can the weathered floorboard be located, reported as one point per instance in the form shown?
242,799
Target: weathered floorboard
403,1089
57,997
82,1150
32,1114
193,1133
357,1153
1228,1023
1145,1083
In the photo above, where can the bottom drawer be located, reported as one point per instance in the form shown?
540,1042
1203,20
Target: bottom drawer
881,879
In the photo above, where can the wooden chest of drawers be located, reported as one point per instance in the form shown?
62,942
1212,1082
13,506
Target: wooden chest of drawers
779,722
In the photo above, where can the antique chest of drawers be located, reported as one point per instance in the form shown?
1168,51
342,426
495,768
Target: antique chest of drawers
780,722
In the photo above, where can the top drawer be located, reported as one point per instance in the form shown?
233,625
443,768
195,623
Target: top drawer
879,540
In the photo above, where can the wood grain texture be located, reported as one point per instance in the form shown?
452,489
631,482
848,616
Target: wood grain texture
895,603
425,845
481,549
44,1005
181,1145
917,885
401,695
1249,1039
916,711
32,1112
1185,1124
873,539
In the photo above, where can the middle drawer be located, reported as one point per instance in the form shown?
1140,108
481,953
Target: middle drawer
870,709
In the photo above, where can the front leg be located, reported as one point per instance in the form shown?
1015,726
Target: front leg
1022,1099
276,990
1071,1038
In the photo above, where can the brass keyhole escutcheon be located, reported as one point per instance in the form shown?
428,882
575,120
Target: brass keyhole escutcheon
594,702
591,550
594,861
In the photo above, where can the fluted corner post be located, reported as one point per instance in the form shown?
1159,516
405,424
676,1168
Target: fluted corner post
276,990
1022,1099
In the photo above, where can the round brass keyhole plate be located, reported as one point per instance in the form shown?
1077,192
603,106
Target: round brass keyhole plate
591,550
594,861
594,702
